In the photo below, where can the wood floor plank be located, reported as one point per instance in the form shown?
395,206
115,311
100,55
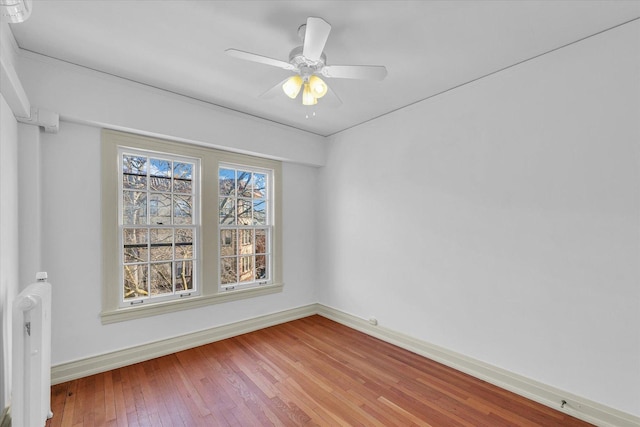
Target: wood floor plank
109,398
58,399
100,402
309,372
166,394
403,412
118,399
178,398
69,406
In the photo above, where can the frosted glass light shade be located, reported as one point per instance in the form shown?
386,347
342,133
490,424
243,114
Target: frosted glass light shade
292,86
307,96
318,86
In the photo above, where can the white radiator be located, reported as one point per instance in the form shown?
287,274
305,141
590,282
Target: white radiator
31,399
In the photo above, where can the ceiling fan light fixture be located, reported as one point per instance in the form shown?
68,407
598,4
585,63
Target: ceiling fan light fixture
307,96
318,86
292,86
309,62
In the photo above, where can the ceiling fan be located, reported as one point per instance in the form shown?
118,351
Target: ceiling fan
309,62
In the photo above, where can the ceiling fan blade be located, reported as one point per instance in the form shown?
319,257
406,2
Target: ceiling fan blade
260,59
331,99
315,37
274,90
362,72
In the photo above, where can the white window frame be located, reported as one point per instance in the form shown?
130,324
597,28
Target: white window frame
210,291
242,266
196,225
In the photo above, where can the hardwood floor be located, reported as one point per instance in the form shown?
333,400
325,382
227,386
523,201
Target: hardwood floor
308,372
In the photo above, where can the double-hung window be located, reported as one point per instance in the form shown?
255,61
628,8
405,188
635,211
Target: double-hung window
245,219
185,226
159,225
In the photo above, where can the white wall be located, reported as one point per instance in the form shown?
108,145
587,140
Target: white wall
500,220
29,203
300,258
81,95
8,239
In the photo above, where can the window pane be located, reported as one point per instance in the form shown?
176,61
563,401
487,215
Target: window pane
182,208
160,175
184,274
227,182
246,269
134,207
161,282
259,185
160,208
184,243
134,181
132,164
161,244
261,267
261,241
246,242
227,242
244,184
159,228
244,212
227,211
228,270
259,212
135,281
134,171
184,251
135,245
182,177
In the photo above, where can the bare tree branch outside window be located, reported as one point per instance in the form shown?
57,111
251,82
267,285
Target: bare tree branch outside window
158,228
244,226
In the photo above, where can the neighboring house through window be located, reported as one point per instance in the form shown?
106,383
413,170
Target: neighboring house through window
244,217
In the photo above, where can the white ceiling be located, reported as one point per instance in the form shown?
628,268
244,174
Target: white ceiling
427,46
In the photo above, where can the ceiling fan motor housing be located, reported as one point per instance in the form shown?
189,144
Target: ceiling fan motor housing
306,66
309,62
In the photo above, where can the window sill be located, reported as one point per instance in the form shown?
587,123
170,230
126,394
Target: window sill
136,312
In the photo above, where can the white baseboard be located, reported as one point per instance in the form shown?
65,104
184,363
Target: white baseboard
552,397
117,359
576,406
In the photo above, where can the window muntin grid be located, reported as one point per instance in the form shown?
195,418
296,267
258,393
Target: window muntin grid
245,226
159,226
